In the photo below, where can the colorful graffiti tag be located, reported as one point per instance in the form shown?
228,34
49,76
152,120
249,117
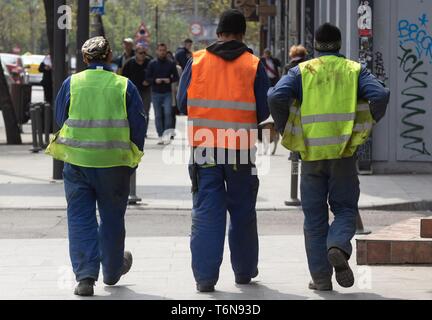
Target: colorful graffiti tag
415,53
418,35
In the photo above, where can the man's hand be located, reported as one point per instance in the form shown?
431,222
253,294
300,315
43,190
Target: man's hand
158,81
145,83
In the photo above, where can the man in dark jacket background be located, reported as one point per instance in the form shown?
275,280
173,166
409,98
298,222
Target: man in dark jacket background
161,73
135,70
184,53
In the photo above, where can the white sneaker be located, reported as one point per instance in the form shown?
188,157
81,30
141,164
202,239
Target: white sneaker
161,141
166,140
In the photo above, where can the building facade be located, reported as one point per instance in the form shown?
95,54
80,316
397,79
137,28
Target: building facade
394,39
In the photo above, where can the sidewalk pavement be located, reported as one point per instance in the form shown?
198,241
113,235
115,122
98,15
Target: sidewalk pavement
40,269
163,181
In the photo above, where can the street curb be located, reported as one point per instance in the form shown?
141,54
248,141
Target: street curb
422,205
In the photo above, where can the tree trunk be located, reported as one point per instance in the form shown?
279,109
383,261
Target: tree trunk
49,16
13,135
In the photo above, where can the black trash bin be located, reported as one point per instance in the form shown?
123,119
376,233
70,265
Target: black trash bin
21,98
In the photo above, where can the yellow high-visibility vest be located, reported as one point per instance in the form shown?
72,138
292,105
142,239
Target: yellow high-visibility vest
330,123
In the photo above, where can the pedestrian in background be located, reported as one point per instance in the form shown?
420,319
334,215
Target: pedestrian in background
326,125
297,55
135,70
175,86
101,143
47,83
161,74
128,53
272,66
223,91
184,53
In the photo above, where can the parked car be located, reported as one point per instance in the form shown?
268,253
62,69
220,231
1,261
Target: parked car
15,67
31,65
7,75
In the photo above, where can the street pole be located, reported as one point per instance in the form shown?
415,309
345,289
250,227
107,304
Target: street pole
142,9
59,70
157,24
294,201
360,230
195,38
83,22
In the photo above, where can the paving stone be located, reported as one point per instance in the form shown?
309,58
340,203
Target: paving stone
426,228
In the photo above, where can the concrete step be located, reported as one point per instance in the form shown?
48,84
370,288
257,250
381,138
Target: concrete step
400,243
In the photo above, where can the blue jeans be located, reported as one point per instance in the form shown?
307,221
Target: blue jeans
323,183
222,188
90,243
163,111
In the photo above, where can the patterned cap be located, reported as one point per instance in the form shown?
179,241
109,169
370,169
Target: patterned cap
327,46
97,48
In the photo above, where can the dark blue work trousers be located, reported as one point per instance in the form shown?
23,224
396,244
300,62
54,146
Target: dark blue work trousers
223,188
92,243
324,183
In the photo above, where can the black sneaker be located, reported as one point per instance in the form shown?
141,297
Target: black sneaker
205,288
321,286
344,274
85,288
127,264
245,280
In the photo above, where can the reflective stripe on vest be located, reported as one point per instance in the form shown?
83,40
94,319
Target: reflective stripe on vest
96,133
359,127
221,98
94,144
333,117
221,124
221,104
97,123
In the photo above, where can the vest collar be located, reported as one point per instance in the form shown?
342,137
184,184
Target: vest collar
94,66
330,53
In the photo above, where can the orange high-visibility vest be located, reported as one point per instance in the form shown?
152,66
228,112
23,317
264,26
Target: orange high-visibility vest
221,101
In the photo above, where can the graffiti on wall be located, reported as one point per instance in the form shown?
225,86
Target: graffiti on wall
417,34
415,54
364,25
379,68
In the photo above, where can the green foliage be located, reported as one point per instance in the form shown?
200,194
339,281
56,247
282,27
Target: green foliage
23,22
22,25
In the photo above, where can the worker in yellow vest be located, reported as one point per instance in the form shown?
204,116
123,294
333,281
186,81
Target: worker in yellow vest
316,108
223,92
101,140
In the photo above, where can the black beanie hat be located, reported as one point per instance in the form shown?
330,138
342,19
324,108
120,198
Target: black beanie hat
232,21
328,38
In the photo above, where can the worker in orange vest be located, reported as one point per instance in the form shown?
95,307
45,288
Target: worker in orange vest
223,91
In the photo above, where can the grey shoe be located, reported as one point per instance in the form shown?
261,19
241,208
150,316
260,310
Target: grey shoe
85,288
321,286
127,264
344,274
